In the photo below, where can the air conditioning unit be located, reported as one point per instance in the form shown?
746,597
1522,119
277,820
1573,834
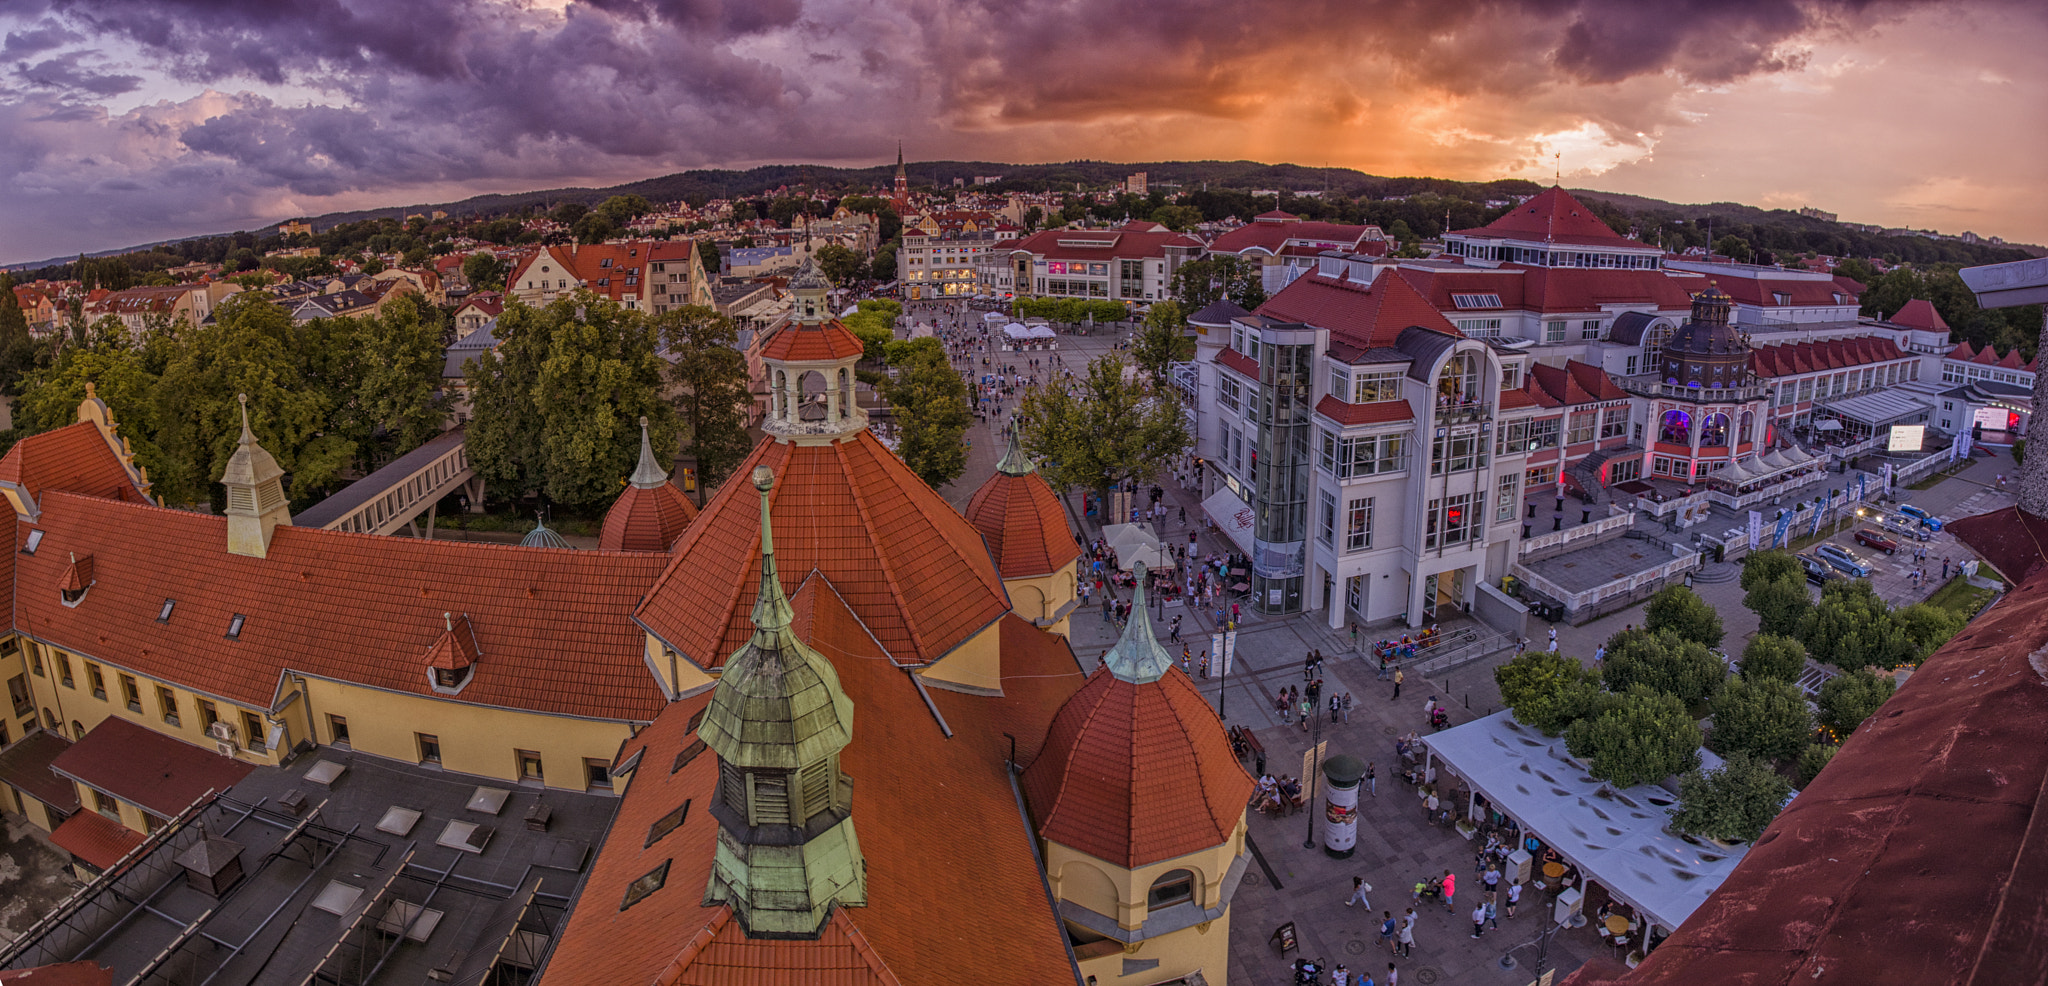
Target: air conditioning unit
226,748
221,730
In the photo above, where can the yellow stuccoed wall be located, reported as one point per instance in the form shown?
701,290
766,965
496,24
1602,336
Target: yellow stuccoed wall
1108,889
474,739
77,704
974,666
674,671
1037,598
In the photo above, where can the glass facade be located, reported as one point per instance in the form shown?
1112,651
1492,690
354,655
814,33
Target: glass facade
1285,402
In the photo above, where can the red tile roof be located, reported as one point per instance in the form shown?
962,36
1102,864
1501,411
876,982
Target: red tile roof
1363,315
1806,357
1987,356
1919,314
1575,383
26,765
456,648
606,268
1315,237
555,625
646,519
1590,290
1762,291
825,341
74,457
77,576
489,303
918,867
1104,244
1026,528
1375,413
1963,352
908,563
87,973
146,768
1235,360
95,839
1137,773
1917,856
1552,216
2011,359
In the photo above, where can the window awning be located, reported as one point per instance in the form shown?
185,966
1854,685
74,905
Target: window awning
1231,514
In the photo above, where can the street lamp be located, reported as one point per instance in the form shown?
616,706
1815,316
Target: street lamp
1315,754
1542,943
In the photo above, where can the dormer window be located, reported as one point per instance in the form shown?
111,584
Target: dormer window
35,540
451,677
73,597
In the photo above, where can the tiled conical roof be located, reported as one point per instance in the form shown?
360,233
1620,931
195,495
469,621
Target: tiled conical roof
651,513
1021,519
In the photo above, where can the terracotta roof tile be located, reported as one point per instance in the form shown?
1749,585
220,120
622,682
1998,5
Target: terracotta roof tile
1360,314
1575,383
456,648
555,624
1791,359
1137,773
97,840
908,563
1918,313
144,767
1024,525
1551,215
646,519
918,868
75,458
1375,413
1115,244
26,765
1242,364
826,341
1274,236
77,576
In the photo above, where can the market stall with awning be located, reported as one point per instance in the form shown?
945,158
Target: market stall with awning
1616,838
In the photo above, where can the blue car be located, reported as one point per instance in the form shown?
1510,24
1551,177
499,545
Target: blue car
1849,562
1926,519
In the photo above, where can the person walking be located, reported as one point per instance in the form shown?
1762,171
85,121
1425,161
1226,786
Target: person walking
1397,682
1404,939
1450,878
1340,976
1393,975
1514,896
1491,878
1599,654
1387,931
1359,888
1347,708
1944,568
1479,919
1372,782
1492,915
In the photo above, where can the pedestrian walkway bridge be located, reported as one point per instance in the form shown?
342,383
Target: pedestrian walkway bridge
395,496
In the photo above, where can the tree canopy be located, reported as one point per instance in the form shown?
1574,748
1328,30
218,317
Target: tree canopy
1198,283
1848,699
1549,691
1773,657
1643,737
1681,611
1732,804
1117,428
930,403
1764,718
710,377
1164,340
1664,662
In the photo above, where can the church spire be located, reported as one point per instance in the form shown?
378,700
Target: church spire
787,853
1014,461
648,474
1138,657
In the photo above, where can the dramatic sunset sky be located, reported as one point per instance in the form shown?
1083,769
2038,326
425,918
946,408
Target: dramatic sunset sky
123,121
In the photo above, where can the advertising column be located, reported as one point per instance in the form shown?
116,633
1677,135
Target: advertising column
1340,804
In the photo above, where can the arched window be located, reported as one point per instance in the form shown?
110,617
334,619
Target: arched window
1458,382
1748,432
845,393
50,722
1714,429
1172,887
1677,428
811,387
77,730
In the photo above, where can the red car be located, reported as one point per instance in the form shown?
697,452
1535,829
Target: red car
1876,539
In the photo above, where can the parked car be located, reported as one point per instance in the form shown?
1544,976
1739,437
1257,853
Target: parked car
1875,538
1904,527
1817,571
1848,562
1926,519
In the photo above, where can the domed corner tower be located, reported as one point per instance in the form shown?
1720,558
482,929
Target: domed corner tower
1020,518
1139,806
810,365
1707,352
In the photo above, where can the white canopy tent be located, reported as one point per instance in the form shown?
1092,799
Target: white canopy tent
1615,837
993,316
1232,516
1018,330
1135,543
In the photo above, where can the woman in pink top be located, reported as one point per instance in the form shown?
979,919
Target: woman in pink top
1450,887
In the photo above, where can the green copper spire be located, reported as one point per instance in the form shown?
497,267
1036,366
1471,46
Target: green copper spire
786,852
1138,657
1015,462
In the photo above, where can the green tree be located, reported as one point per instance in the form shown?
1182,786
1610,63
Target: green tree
1852,628
122,376
623,209
556,407
785,209
1549,691
710,374
484,272
708,255
1732,804
1927,626
594,228
1765,718
568,213
17,350
1643,737
839,263
252,347
743,211
1734,248
930,403
1681,611
1177,217
1163,340
1032,218
1770,657
875,326
1779,604
1849,698
397,402
1769,566
1116,429
1811,760
1662,661
1198,283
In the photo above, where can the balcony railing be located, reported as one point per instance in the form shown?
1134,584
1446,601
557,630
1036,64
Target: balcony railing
1462,412
1647,385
